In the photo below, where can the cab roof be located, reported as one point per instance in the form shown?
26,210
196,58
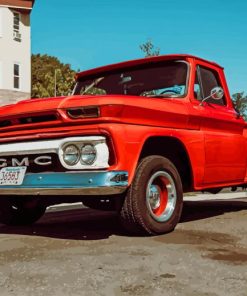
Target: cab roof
142,61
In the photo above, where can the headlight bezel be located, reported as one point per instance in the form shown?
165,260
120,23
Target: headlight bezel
100,146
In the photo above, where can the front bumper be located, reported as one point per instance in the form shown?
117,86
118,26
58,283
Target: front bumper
70,183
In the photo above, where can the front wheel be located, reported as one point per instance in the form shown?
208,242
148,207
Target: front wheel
154,201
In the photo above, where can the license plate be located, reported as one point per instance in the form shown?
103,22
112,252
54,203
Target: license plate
12,175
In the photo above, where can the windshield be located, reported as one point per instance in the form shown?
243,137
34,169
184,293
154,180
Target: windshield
162,79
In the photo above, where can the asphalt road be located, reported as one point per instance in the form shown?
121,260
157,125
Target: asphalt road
78,251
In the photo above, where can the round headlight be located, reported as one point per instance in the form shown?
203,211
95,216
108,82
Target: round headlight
71,155
88,154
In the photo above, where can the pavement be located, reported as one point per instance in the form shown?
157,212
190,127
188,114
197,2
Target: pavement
190,197
220,196
73,250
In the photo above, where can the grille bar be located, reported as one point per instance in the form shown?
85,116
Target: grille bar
37,119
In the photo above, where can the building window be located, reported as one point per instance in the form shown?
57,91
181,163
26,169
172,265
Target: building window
16,26
16,76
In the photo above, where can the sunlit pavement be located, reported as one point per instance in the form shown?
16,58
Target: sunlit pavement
218,196
74,250
191,197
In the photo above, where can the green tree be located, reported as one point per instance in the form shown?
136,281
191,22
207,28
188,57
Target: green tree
44,70
240,103
149,49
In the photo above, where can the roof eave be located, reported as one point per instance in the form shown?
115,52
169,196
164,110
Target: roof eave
16,7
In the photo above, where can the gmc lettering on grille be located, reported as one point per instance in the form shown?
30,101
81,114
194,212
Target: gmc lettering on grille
40,160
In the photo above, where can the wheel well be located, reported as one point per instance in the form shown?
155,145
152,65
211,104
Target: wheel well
175,151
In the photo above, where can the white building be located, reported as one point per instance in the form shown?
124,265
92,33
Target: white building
15,50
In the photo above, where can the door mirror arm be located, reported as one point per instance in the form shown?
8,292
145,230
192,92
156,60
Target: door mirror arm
216,93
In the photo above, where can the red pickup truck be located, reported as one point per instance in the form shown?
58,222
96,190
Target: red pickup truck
132,137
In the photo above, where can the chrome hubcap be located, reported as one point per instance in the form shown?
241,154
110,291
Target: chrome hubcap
154,197
161,196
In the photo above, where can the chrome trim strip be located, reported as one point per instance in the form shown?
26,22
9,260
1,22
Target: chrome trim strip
62,191
70,183
47,146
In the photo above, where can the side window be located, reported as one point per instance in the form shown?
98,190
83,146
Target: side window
197,87
206,80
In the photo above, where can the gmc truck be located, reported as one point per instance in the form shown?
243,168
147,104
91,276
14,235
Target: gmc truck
132,137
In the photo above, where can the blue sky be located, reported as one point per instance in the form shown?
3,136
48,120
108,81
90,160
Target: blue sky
89,34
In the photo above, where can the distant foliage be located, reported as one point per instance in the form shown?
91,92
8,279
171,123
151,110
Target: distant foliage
43,77
240,104
149,49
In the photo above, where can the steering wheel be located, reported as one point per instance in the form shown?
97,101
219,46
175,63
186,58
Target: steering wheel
170,91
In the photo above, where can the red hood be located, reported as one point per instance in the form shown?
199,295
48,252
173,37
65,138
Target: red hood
36,115
33,106
51,104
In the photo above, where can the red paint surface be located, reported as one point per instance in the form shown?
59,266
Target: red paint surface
212,135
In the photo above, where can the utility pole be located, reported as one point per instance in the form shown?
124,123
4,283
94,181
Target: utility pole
55,86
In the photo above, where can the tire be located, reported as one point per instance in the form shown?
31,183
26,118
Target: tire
154,201
18,211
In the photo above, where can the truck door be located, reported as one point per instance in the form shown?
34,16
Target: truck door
225,146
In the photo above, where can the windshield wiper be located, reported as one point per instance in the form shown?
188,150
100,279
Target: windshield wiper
93,84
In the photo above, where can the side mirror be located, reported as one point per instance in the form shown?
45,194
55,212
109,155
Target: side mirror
216,93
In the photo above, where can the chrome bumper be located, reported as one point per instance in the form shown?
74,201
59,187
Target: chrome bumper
70,183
